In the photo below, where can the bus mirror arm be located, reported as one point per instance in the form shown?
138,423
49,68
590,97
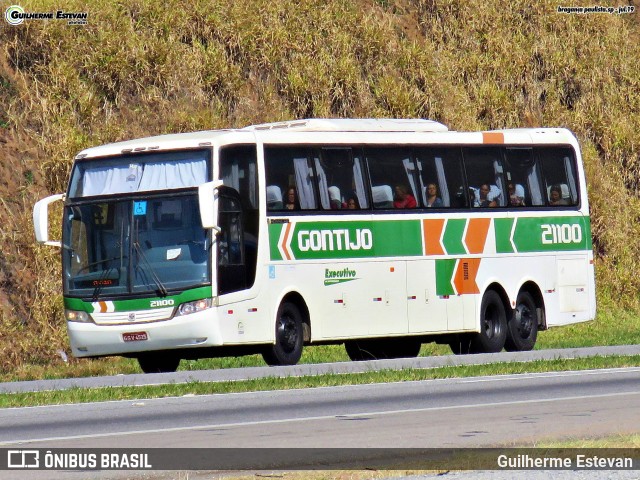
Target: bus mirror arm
208,202
41,220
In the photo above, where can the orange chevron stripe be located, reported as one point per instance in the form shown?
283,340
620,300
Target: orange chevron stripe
476,237
432,231
492,137
287,230
464,278
103,307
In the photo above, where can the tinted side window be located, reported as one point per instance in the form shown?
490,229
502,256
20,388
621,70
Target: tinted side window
340,178
393,178
441,178
484,173
290,179
559,172
523,178
238,170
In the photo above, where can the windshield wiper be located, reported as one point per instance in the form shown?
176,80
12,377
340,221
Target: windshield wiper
104,260
151,270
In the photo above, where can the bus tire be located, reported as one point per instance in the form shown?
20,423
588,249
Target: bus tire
522,328
158,362
493,325
287,348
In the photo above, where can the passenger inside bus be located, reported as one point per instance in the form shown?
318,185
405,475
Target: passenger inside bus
485,198
403,199
291,202
516,195
353,204
433,200
557,196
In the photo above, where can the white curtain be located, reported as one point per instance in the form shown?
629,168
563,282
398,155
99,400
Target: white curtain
442,182
359,183
496,194
409,168
534,187
169,175
324,186
304,183
252,185
231,177
106,180
571,179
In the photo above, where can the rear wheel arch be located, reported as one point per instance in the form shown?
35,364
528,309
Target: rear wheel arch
534,290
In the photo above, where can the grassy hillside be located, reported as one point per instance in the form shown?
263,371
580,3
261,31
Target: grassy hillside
150,67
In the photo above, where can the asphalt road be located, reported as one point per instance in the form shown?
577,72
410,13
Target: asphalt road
465,412
237,374
484,411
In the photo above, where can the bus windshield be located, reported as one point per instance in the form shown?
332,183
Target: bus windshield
140,246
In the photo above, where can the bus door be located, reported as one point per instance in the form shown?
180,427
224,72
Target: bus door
231,265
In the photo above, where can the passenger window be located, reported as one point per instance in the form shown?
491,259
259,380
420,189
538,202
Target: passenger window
238,170
340,179
290,179
485,174
393,178
441,178
559,172
523,178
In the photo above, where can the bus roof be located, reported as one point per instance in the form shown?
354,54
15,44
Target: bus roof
282,131
355,125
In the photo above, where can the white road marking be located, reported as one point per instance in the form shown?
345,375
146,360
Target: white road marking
323,417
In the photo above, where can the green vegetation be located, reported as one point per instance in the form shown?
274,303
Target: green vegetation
144,68
77,395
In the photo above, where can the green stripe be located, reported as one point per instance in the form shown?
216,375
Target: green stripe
275,229
502,228
551,234
403,238
452,238
444,274
142,303
359,239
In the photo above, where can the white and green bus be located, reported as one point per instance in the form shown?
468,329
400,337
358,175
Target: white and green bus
379,234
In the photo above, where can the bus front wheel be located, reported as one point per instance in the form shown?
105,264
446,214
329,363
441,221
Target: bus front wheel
522,328
287,348
158,362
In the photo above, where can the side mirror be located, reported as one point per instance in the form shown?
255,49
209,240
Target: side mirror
208,202
41,219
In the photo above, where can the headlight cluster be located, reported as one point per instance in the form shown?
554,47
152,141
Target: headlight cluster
193,307
77,316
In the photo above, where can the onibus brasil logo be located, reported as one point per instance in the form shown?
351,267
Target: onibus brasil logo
15,15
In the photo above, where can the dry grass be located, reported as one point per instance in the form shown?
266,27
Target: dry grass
141,68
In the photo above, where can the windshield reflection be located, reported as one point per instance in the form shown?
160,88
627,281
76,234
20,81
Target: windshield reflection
134,246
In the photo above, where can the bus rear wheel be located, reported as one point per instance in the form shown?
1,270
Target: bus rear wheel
493,325
287,348
158,362
522,328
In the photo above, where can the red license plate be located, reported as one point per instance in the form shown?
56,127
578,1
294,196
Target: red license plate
135,336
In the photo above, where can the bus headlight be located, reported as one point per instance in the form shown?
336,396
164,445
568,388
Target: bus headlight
77,316
193,307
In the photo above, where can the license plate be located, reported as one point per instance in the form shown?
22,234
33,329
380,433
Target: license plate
135,336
